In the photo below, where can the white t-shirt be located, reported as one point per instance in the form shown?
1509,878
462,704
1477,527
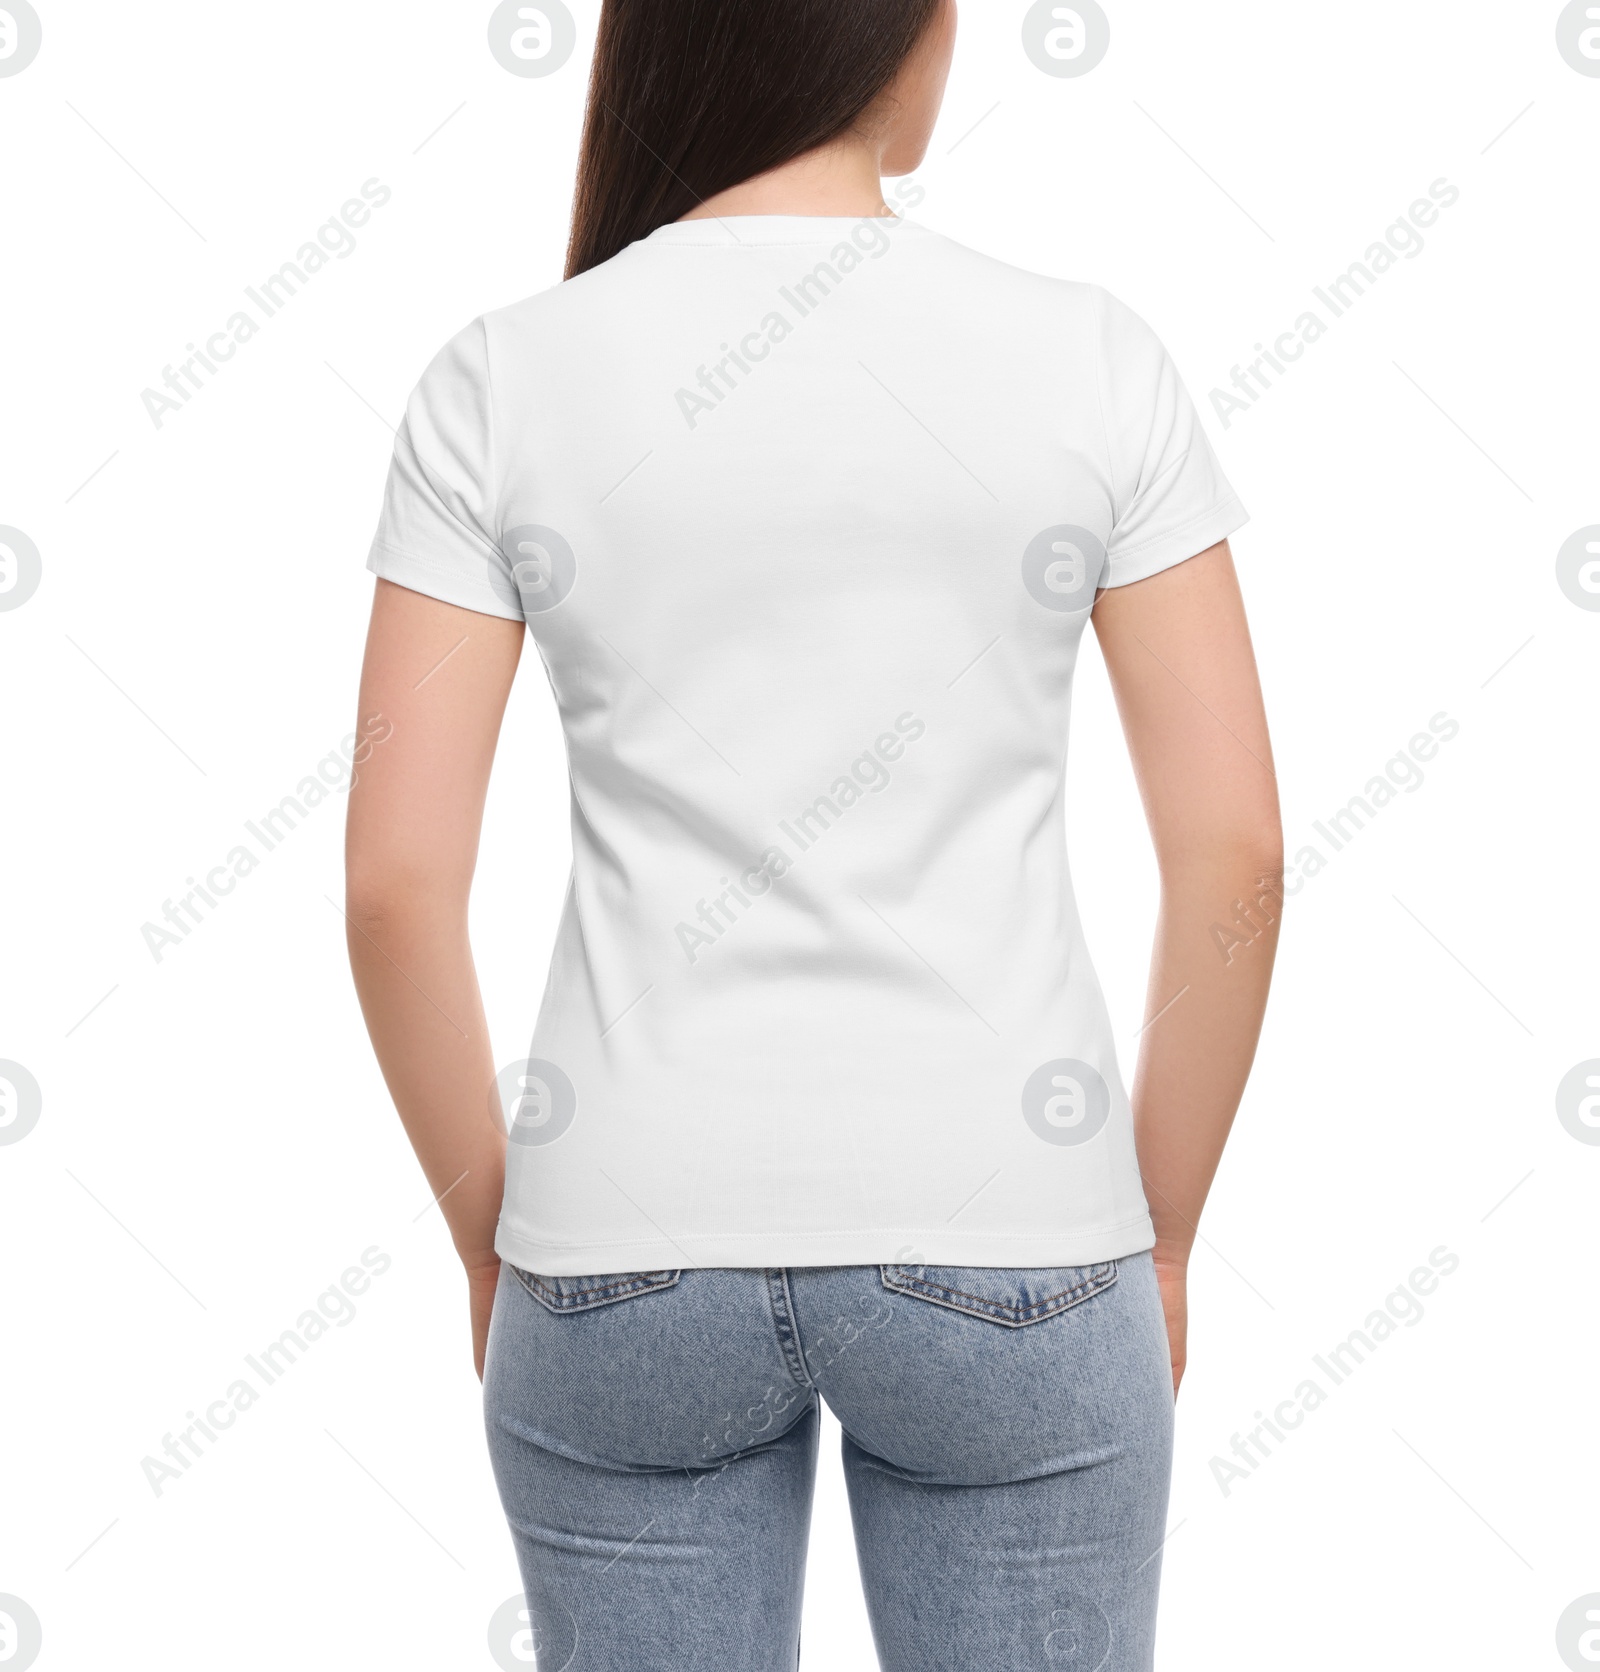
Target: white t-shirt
806,517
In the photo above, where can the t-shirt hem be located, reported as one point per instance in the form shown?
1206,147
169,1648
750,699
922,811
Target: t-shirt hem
905,1245
1195,536
448,585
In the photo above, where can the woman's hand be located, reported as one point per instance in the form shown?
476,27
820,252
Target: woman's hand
482,1280
1172,1274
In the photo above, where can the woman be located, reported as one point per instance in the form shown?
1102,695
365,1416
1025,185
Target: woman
806,508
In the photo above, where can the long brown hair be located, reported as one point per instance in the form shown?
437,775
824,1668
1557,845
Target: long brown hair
689,97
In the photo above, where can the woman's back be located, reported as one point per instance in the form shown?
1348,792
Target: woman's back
806,516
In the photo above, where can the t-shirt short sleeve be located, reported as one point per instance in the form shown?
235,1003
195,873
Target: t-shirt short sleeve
436,534
1171,500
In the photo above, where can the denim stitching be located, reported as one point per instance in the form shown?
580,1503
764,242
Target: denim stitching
938,1292
632,1284
988,1300
784,1326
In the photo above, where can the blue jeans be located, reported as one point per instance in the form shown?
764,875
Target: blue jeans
1007,1449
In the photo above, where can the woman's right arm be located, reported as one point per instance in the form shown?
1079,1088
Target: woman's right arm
434,686
1178,651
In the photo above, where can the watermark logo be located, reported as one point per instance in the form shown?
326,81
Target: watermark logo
1078,1636
335,775
542,569
20,1631
1402,773
21,1102
1402,1308
869,240
1402,240
1577,1101
20,35
529,39
1577,563
335,1307
20,568
1250,922
201,363
868,774
1066,1101
1578,39
1577,1633
521,1638
1066,40
1062,567
538,1100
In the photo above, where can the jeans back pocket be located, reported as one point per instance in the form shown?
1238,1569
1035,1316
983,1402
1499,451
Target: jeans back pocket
1007,1295
584,1294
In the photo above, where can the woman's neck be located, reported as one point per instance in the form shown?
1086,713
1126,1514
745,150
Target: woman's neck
840,178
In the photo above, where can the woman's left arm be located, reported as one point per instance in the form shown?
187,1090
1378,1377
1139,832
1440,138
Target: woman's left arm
1184,675
433,688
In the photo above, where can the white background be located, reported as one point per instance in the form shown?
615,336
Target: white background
216,1145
